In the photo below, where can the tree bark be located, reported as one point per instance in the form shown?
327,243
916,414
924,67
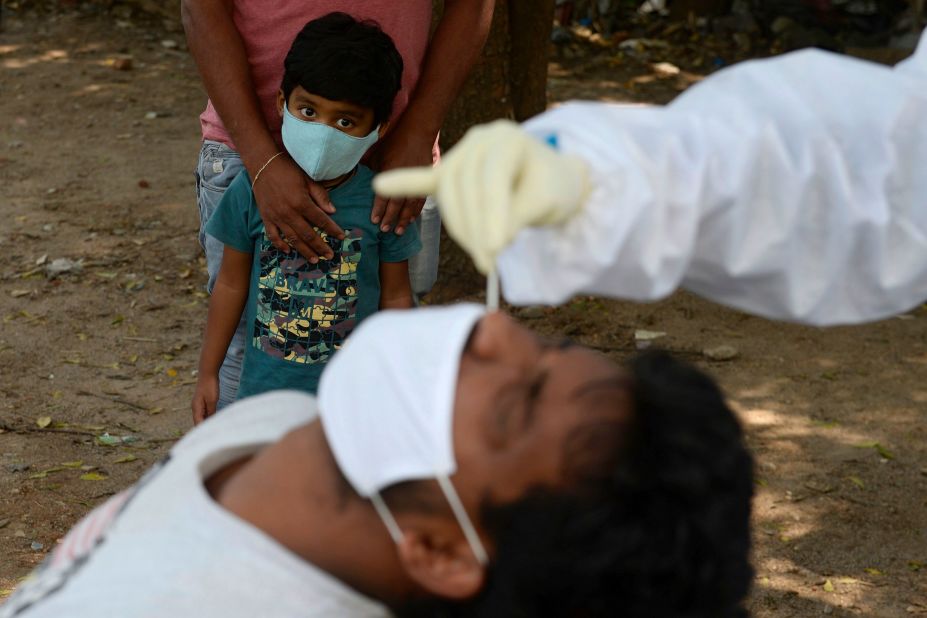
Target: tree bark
510,79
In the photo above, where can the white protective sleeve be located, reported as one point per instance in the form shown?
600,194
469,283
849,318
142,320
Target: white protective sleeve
794,188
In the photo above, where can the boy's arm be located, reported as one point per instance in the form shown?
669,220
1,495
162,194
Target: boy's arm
395,289
225,308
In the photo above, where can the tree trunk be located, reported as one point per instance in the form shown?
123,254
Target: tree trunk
509,81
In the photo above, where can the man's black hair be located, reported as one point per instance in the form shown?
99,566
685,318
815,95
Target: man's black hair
344,59
660,529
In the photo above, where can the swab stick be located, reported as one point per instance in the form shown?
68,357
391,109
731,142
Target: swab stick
492,290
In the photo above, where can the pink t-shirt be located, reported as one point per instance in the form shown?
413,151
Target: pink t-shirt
268,29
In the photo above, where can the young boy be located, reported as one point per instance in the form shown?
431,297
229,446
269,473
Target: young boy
340,79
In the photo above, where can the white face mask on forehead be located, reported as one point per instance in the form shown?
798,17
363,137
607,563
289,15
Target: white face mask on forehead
386,401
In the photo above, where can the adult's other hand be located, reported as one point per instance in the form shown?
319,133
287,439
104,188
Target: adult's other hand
495,182
400,149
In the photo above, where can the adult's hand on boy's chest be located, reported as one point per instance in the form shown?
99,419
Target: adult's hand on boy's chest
291,206
399,150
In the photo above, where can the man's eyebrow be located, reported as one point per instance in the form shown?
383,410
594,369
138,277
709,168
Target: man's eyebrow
612,382
540,381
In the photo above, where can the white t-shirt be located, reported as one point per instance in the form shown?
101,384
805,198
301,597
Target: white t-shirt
165,548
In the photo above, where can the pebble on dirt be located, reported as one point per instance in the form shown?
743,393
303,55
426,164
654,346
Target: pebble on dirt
721,353
61,266
532,312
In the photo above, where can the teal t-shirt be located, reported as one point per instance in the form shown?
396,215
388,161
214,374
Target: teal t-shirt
298,313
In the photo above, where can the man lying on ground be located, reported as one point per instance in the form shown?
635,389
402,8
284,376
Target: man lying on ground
530,479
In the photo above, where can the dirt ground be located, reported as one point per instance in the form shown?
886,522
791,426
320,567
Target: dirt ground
96,364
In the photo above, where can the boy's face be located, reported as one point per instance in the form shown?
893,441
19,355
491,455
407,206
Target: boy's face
355,120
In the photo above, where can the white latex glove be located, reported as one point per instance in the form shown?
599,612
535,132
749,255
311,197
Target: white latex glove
495,182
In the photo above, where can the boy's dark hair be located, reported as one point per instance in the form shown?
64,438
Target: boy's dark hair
660,529
343,59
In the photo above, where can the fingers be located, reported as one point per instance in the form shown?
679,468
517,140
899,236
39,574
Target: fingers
277,238
302,229
480,185
211,405
393,207
291,206
313,249
414,181
322,222
319,196
303,237
503,174
199,411
204,406
379,207
411,210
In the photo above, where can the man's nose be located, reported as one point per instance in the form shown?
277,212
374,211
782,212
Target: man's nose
500,336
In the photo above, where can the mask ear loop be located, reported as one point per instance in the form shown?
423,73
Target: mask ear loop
476,545
463,520
388,520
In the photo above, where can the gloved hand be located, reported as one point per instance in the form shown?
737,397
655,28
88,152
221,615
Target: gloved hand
497,181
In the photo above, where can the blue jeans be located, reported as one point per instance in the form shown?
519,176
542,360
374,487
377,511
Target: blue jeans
423,266
217,167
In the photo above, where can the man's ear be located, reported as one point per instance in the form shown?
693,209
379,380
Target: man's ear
281,102
443,565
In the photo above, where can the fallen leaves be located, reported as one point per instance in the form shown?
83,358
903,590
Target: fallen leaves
93,476
43,421
857,481
883,452
44,473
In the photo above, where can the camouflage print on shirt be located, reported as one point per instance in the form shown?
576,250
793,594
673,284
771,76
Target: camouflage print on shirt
305,311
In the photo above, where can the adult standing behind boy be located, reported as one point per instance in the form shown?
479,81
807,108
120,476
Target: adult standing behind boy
239,46
340,78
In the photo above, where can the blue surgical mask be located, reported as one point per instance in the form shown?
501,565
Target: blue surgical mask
322,151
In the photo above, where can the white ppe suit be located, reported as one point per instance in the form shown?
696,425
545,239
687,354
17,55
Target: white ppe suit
793,188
